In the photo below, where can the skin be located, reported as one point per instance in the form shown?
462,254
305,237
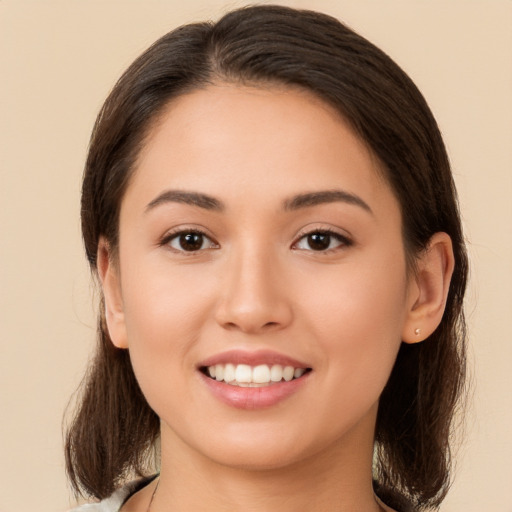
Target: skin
256,284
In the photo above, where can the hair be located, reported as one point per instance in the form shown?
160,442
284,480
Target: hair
114,430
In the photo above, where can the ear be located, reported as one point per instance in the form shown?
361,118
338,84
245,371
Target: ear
110,283
429,289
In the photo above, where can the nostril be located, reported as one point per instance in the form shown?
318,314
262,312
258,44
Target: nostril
250,307
250,326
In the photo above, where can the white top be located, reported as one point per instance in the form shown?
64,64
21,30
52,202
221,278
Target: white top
117,499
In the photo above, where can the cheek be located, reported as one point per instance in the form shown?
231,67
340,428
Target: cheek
358,319
164,313
160,301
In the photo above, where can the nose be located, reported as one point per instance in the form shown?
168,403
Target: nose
254,295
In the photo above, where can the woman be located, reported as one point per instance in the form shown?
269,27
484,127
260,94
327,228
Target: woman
269,208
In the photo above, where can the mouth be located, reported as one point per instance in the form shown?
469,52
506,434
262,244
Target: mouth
247,376
253,380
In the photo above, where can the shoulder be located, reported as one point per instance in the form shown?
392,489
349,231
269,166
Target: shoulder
116,500
391,500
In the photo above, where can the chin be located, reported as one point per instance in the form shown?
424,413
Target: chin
257,459
264,449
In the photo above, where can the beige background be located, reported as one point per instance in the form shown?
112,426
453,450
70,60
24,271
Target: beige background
58,61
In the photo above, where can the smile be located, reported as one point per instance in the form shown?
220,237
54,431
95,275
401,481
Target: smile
253,380
244,375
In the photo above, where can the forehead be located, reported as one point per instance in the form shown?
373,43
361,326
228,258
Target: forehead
227,139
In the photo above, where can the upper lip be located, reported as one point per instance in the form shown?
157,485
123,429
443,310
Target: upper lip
253,358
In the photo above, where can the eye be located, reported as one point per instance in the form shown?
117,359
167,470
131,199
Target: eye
189,241
321,240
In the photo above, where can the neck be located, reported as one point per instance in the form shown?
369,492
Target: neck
337,479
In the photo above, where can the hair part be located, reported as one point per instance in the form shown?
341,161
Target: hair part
114,428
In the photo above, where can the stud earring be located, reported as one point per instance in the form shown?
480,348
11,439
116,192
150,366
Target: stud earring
417,332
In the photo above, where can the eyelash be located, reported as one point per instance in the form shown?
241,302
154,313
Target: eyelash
343,240
176,235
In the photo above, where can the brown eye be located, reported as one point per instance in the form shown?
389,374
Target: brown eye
319,241
190,241
322,241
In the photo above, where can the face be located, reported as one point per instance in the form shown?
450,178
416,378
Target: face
259,243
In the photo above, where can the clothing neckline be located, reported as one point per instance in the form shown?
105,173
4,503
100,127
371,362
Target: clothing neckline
135,486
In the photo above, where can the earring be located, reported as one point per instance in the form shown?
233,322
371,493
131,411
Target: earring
417,332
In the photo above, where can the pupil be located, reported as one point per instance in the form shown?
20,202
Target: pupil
319,241
191,241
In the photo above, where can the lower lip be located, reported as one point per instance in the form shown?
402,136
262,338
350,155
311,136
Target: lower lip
254,398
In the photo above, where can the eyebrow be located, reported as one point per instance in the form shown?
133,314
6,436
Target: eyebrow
297,202
325,196
192,198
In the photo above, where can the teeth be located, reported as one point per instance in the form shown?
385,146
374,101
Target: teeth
261,374
288,373
299,372
229,373
243,373
276,373
247,376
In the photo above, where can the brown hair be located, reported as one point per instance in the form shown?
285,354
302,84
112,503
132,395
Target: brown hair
114,429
